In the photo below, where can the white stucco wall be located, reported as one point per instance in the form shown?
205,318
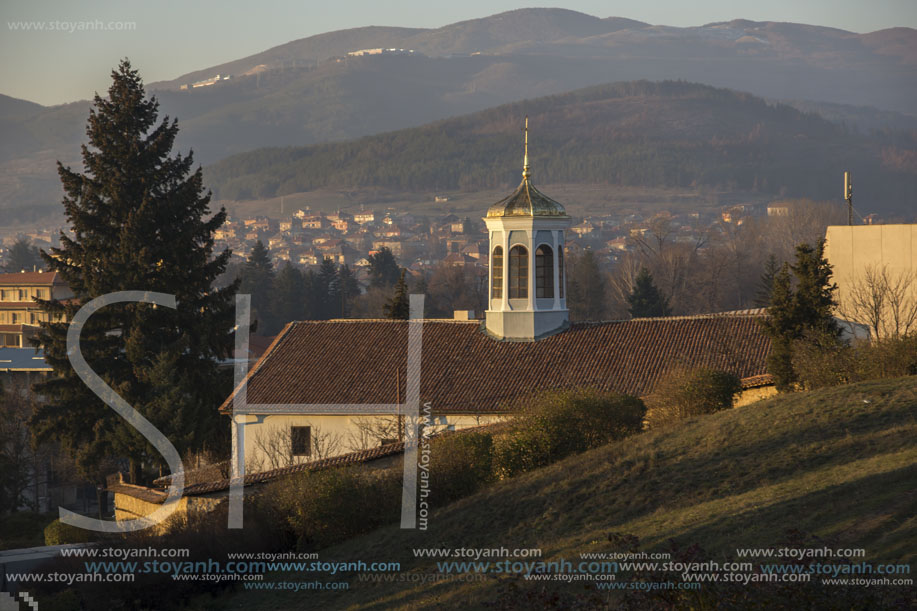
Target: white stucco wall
266,437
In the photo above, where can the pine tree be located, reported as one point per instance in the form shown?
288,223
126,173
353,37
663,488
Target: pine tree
349,288
794,313
312,302
383,269
257,280
288,297
138,221
23,256
399,308
328,291
815,300
587,288
645,300
766,283
783,326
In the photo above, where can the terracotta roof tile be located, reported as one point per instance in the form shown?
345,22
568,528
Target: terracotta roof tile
465,371
30,278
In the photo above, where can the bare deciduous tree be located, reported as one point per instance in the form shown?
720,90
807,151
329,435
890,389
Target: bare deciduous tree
371,432
884,301
274,448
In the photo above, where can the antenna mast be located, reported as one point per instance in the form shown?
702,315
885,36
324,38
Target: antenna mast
848,195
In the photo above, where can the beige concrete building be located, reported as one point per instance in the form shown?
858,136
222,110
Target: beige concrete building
875,268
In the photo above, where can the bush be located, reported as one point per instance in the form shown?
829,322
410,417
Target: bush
58,533
204,534
556,424
460,465
520,450
321,508
888,358
821,361
691,392
24,529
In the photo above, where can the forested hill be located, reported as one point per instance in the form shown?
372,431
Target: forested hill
633,133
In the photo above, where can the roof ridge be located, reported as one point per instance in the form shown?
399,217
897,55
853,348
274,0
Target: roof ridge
749,313
386,320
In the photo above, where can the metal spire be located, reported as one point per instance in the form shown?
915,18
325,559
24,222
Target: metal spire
525,160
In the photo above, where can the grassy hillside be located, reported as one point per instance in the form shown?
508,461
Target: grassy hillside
839,464
668,134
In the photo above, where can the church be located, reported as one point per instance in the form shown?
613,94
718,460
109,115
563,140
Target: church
336,388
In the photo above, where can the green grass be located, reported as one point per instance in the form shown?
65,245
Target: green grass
839,464
24,529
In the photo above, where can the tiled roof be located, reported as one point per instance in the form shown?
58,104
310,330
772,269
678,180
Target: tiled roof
29,278
150,495
465,371
757,381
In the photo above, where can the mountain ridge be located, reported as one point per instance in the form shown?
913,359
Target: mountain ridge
643,134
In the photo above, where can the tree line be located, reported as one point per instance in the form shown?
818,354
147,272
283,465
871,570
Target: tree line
709,138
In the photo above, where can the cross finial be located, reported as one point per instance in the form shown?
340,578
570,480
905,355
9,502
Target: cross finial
525,159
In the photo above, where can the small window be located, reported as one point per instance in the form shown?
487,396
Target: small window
518,273
544,272
301,440
560,270
496,289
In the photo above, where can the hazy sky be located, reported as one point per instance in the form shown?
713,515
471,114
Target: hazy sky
172,37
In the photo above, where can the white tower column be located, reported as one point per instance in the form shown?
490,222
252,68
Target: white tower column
505,298
530,305
556,262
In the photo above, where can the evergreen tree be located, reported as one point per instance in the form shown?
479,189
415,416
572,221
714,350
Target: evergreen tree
766,283
139,222
328,290
815,292
423,288
257,279
23,256
312,303
349,287
645,300
586,287
383,269
288,297
794,313
399,308
783,326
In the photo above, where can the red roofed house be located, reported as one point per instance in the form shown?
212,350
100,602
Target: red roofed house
471,372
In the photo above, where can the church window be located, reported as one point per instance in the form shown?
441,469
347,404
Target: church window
518,273
544,272
496,287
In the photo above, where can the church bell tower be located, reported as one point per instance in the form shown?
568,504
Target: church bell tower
526,300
